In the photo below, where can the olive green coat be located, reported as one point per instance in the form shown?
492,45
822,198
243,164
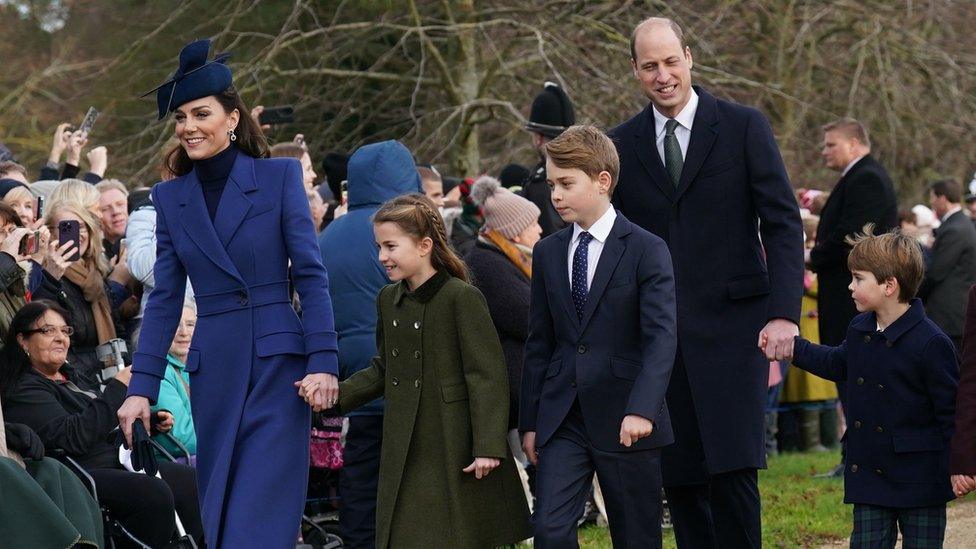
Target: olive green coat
440,368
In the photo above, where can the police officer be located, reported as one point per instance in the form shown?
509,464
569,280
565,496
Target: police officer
552,112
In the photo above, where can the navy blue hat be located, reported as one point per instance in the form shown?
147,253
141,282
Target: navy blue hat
195,78
552,111
7,185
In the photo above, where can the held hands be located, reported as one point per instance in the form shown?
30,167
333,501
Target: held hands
776,339
634,428
482,466
962,484
528,446
320,391
134,408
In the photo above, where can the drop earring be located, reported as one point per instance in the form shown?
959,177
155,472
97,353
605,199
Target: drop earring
233,136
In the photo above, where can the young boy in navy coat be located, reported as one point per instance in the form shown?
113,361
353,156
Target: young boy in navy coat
599,354
901,372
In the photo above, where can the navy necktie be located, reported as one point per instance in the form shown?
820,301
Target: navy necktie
580,289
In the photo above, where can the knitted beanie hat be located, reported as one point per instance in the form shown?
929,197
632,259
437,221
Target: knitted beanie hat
504,211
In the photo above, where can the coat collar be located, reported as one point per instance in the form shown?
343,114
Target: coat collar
425,292
869,322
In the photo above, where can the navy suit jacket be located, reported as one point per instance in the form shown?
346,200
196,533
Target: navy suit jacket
733,228
617,360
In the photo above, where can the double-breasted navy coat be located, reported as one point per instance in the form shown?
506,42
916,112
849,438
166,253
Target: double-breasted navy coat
901,401
733,228
249,346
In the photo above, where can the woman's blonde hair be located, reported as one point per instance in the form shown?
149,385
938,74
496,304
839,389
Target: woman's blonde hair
417,216
94,252
75,190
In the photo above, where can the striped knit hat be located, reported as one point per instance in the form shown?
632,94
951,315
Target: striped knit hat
504,211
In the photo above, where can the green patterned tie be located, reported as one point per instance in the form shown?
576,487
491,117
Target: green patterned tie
672,151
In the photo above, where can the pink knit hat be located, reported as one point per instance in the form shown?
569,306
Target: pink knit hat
504,211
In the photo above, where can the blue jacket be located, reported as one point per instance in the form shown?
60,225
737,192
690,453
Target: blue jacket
617,360
377,173
901,400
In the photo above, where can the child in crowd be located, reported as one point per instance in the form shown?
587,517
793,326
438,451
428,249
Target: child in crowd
447,478
901,372
601,347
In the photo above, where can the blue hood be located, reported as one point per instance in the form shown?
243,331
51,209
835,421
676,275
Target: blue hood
381,171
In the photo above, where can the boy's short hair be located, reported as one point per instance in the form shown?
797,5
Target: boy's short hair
888,255
586,148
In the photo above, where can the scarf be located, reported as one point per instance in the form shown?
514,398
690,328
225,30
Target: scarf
86,276
515,253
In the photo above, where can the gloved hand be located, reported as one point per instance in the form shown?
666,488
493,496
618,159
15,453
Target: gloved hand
23,440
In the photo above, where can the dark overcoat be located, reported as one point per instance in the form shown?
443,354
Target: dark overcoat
249,346
963,449
863,195
440,367
901,398
733,192
950,273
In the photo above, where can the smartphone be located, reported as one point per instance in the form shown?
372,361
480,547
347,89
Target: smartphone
277,115
39,208
89,121
344,191
30,243
70,229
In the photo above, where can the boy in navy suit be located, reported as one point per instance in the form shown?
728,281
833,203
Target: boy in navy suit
901,372
601,345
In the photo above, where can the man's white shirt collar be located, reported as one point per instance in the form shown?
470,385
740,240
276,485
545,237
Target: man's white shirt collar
685,118
851,165
949,213
600,230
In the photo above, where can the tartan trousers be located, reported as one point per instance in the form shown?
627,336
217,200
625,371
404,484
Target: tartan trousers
877,527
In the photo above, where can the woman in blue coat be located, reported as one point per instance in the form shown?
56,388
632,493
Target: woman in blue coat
231,221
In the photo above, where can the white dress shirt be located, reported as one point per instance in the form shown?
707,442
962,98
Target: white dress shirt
600,232
685,119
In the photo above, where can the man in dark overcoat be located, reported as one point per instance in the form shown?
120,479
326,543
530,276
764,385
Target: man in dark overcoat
706,176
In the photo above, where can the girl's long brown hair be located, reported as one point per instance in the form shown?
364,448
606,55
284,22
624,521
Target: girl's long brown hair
417,216
250,139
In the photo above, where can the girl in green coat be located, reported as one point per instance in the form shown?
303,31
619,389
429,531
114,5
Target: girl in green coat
447,478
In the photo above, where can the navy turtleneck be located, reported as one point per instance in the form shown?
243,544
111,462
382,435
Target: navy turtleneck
212,173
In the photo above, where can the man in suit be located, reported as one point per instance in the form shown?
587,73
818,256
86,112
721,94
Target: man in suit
598,356
952,268
706,176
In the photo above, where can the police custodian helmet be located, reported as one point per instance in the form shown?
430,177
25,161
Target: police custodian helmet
552,111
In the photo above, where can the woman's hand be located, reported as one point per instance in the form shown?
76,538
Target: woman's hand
44,237
320,391
482,466
11,244
134,408
120,270
60,143
55,261
166,421
76,142
98,161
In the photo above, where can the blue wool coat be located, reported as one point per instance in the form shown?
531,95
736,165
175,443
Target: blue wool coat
901,400
249,346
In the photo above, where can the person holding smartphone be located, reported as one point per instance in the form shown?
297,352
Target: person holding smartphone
232,220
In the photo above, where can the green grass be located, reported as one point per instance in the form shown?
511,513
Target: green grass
798,510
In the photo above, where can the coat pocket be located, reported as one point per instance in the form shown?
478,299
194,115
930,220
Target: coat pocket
281,343
919,459
903,444
625,369
745,286
554,367
192,361
455,393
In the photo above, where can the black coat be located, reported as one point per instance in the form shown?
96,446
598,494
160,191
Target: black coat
507,291
733,189
863,195
950,273
536,189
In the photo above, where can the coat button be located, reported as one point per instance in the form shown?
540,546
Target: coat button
396,352
880,387
888,343
242,297
867,339
857,424
860,381
581,349
878,472
416,383
416,325
396,323
396,381
879,429
854,468
416,354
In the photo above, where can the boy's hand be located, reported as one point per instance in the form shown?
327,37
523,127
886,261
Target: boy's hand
482,466
528,446
634,428
962,484
776,339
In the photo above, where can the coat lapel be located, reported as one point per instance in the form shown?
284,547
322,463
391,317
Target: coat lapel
196,222
613,250
645,143
703,134
561,269
234,203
